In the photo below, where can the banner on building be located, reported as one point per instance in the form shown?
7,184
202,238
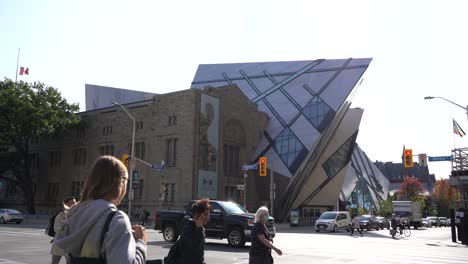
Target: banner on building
208,147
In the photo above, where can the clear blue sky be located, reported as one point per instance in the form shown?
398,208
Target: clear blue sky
419,49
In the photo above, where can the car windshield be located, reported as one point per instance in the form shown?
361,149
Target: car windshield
442,218
402,213
363,218
380,218
432,218
233,208
12,211
328,216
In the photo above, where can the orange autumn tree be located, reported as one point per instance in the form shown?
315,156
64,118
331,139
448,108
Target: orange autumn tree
446,196
410,189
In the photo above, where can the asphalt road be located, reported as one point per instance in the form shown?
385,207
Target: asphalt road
28,244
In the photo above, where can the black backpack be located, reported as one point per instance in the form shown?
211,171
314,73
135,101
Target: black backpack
50,227
174,252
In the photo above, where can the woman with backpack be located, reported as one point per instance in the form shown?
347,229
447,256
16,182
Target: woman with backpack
85,236
57,228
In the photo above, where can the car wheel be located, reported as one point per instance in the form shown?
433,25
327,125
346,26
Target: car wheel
348,229
334,229
236,237
19,222
2,221
169,233
316,230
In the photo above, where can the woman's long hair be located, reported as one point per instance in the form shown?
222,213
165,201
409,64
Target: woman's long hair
104,179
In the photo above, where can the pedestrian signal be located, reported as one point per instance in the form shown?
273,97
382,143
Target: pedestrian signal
125,159
262,169
408,158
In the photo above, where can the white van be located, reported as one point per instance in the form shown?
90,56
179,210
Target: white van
332,221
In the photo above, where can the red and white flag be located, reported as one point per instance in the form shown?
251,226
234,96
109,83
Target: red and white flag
24,71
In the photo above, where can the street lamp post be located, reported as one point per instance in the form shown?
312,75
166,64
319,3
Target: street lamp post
432,97
130,166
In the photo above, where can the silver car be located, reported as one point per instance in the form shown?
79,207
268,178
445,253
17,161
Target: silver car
333,221
10,216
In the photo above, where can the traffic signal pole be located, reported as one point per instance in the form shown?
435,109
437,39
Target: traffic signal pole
271,190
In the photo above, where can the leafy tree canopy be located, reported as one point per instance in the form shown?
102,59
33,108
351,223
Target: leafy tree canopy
28,110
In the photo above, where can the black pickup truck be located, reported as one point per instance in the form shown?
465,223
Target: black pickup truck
227,220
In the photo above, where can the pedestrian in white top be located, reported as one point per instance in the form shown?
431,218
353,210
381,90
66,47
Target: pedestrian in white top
355,225
59,223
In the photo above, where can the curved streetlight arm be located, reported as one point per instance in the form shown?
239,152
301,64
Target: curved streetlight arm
432,97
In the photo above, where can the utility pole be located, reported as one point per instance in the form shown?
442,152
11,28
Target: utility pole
272,173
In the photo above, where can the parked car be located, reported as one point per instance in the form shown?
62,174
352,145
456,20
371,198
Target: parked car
434,220
443,221
333,221
426,223
10,216
383,222
368,222
227,220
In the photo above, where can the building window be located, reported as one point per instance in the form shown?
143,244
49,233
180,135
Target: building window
340,158
290,149
139,191
318,113
80,132
140,150
107,130
11,190
79,157
55,159
171,151
33,160
172,121
139,126
77,186
53,191
232,193
106,150
231,164
34,140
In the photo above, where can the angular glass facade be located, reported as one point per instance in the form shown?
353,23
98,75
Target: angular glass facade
365,185
301,98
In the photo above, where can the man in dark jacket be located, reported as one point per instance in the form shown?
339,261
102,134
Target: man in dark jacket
192,238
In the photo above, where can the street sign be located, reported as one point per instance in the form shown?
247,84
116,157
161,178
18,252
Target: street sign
441,158
249,167
240,187
158,166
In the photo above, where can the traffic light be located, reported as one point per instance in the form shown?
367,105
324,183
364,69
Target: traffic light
408,158
125,160
262,169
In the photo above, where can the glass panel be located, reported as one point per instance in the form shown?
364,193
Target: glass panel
318,113
288,147
340,158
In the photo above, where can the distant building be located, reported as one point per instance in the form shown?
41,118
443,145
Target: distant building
396,173
98,96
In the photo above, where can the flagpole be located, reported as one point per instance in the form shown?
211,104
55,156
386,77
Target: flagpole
17,63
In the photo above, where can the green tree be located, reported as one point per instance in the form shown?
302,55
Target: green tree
386,207
28,110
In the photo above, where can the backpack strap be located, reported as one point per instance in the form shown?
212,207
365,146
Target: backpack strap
105,229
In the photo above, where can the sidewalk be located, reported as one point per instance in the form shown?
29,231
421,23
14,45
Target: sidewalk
446,243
